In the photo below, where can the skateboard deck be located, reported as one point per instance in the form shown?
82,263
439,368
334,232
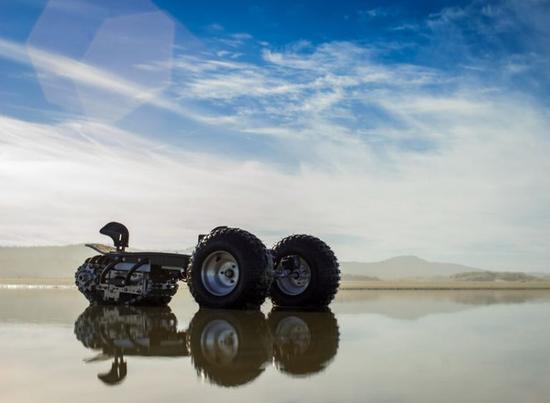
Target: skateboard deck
103,249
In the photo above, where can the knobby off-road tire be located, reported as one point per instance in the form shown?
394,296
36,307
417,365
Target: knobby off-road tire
232,251
91,270
316,292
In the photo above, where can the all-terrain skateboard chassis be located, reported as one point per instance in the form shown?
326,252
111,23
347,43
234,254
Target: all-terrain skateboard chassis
229,268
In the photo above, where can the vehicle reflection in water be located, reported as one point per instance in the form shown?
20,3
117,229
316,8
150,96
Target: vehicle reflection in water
228,348
120,331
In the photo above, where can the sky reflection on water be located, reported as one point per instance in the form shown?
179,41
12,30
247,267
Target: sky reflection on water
373,346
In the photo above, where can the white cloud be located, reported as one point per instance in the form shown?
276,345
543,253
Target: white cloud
98,84
482,198
402,158
215,27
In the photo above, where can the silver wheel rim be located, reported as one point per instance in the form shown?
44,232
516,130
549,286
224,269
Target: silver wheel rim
295,282
219,342
220,273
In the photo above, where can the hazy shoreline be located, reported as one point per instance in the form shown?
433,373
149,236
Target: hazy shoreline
36,281
357,285
443,285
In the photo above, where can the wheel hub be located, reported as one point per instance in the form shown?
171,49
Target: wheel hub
220,273
295,275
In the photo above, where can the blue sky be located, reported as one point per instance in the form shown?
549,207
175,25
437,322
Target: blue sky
388,128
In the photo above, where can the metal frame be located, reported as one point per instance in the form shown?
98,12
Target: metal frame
155,274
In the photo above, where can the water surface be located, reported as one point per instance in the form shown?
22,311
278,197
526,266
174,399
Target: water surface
379,346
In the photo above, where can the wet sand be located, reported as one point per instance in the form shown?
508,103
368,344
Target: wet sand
417,346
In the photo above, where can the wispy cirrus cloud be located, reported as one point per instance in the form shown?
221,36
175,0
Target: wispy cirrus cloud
335,91
102,87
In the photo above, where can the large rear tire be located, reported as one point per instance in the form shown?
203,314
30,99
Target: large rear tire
307,275
231,269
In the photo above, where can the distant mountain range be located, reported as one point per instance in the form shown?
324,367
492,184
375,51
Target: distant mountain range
42,261
404,267
62,261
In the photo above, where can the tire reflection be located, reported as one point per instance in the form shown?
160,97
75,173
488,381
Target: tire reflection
304,343
227,348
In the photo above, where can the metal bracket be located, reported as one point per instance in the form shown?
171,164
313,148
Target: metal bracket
134,268
108,268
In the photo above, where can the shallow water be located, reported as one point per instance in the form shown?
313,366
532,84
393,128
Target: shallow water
388,346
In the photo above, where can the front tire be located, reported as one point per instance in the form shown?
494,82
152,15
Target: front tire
231,269
307,274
